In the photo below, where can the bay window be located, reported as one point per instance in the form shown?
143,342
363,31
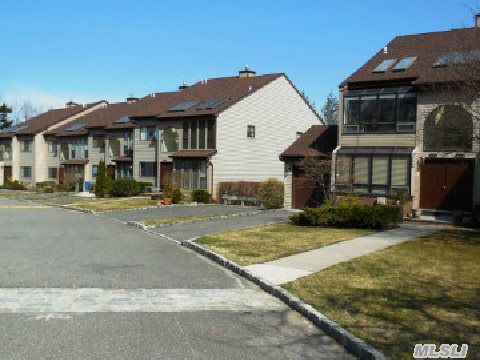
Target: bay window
193,173
372,174
379,113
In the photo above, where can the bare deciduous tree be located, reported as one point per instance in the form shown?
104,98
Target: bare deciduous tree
318,170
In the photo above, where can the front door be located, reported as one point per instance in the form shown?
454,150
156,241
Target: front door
166,169
446,184
7,173
61,175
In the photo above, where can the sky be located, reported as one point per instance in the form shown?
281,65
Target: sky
55,51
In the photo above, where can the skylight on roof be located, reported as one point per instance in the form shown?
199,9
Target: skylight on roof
211,104
404,63
122,120
459,57
183,106
14,128
75,127
384,66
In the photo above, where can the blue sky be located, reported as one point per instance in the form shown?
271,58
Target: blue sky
55,51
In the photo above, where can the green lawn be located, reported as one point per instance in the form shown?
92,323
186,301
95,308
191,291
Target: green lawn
270,242
424,291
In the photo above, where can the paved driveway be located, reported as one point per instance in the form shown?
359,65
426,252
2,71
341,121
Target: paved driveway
188,231
177,211
78,286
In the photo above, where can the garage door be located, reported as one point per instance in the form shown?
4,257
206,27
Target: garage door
446,184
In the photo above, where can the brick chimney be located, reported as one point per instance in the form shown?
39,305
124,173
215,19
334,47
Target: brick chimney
132,99
246,72
71,104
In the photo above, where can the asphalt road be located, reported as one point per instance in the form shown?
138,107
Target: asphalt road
71,285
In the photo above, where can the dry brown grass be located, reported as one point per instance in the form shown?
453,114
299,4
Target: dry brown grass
100,205
424,291
270,242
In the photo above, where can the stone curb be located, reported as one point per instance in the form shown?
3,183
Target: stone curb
350,342
139,225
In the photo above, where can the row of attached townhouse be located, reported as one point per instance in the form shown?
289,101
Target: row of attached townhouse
408,122
220,129
23,150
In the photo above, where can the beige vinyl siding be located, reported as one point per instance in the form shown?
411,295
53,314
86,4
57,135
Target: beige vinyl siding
26,159
278,112
287,183
407,140
149,151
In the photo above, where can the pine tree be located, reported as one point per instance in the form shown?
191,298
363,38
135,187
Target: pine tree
100,180
4,111
330,110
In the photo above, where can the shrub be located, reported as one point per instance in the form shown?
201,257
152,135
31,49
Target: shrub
172,191
17,185
270,193
238,188
100,180
347,215
199,195
176,195
125,187
61,188
143,185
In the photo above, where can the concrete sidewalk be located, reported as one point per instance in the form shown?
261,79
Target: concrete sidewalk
293,267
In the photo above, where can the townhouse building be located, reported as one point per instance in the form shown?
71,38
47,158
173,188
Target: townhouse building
408,123
23,150
222,129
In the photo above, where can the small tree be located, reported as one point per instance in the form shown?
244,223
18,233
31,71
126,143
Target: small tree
69,180
270,193
318,170
330,110
5,110
100,180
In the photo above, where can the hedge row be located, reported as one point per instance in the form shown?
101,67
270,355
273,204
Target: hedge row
349,216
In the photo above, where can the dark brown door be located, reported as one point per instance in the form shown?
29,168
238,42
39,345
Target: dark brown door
302,192
446,184
7,173
111,171
61,175
166,169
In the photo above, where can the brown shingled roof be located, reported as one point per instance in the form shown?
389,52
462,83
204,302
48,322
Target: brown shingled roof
318,141
427,47
230,89
43,121
193,154
99,118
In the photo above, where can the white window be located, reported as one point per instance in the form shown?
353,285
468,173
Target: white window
148,133
26,171
52,173
26,146
52,148
148,169
251,131
94,170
